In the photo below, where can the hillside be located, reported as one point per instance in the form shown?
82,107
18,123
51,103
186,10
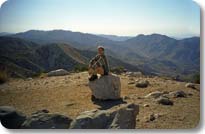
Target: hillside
154,54
70,95
25,58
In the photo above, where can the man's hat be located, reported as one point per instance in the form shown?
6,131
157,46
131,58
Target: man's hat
101,47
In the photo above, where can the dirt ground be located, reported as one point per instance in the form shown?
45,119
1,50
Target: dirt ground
70,95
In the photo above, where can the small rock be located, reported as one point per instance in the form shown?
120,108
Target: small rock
190,85
165,92
59,72
177,94
41,111
152,117
133,74
70,104
142,83
140,97
126,97
30,79
190,94
131,82
45,83
146,105
154,95
42,120
164,101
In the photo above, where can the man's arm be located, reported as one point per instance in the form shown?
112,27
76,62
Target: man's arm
93,60
106,65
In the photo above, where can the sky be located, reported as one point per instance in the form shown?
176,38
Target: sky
178,18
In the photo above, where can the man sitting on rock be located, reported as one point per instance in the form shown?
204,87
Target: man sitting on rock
98,65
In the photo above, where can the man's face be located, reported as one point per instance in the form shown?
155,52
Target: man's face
100,51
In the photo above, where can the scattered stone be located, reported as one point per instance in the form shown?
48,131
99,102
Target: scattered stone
164,101
190,94
177,94
10,118
152,117
146,105
165,92
59,72
190,85
140,97
123,117
131,82
69,104
41,111
134,74
44,120
142,83
29,79
126,98
154,95
45,83
106,87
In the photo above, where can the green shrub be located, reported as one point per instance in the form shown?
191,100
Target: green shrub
40,74
117,70
3,76
80,68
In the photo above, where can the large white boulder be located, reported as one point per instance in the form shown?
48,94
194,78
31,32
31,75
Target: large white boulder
59,72
106,87
124,117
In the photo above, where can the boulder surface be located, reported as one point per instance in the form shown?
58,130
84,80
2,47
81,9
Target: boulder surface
123,117
142,83
106,87
44,120
59,72
10,118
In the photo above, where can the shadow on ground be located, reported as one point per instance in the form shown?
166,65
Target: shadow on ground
106,104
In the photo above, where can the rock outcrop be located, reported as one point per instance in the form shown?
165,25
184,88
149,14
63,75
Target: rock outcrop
134,74
59,72
142,83
164,101
106,87
44,120
154,94
123,117
177,94
10,118
190,85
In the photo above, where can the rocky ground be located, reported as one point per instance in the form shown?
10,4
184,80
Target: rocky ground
70,95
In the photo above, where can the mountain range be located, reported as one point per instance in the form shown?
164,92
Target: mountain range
152,54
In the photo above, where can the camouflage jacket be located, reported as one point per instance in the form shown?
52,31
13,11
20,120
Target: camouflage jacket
100,61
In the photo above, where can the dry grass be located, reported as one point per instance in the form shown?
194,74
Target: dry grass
69,95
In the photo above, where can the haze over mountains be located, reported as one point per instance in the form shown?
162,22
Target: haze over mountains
115,37
151,54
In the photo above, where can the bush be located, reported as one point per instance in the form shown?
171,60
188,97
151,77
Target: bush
40,74
80,68
3,76
117,70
